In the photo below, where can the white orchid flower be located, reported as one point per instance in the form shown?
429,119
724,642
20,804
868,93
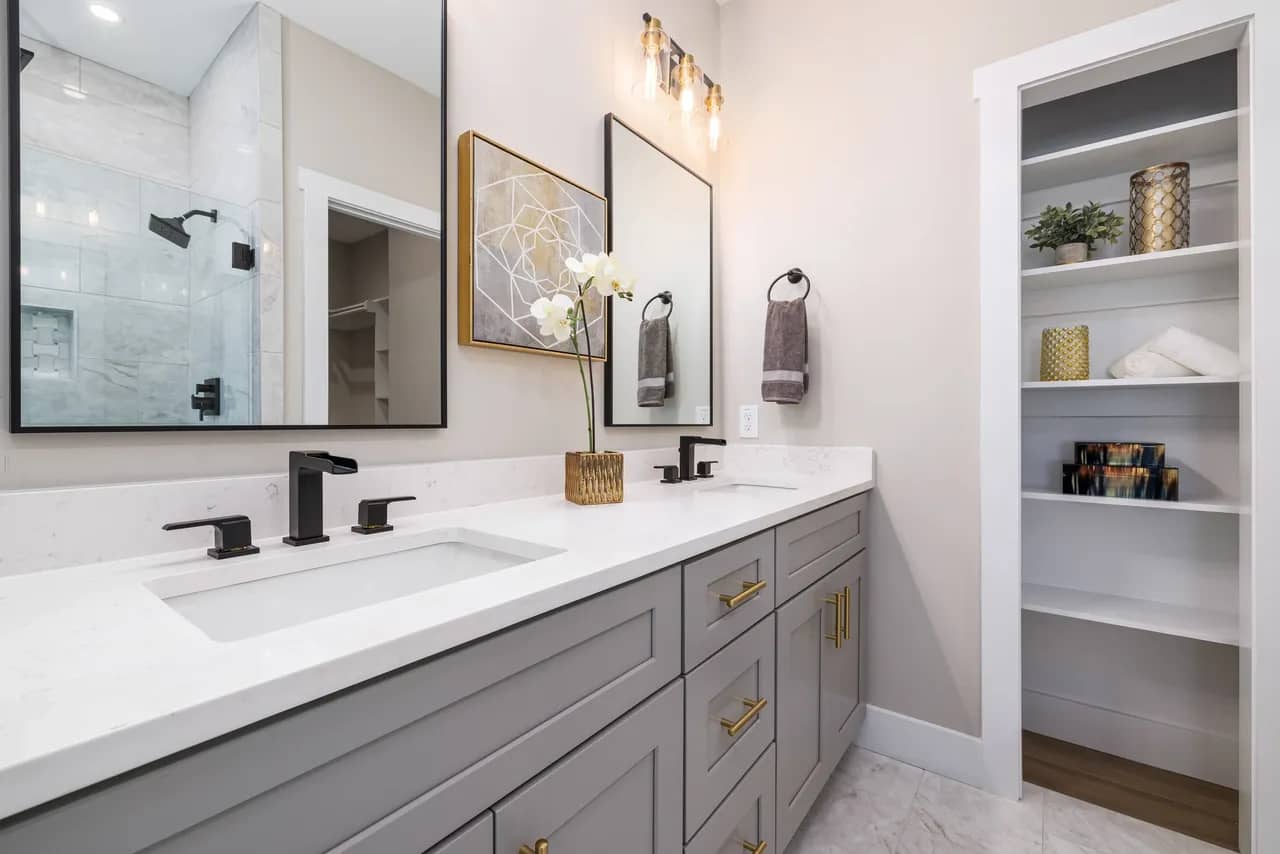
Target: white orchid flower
586,269
615,283
553,316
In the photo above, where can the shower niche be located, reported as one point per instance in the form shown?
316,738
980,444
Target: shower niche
160,162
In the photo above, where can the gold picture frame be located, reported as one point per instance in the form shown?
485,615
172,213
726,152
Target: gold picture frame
537,227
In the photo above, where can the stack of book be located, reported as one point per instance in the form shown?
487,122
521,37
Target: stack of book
1120,470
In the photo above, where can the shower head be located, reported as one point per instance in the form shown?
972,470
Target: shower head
173,228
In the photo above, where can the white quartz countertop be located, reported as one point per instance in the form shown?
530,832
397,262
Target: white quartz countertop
100,676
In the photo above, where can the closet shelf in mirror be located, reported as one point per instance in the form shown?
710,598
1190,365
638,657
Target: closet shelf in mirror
1200,137
1212,505
1194,259
359,315
1143,614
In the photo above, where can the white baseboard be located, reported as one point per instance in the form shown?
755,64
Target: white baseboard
946,752
1197,753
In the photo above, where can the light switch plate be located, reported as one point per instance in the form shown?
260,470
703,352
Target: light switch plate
749,422
702,414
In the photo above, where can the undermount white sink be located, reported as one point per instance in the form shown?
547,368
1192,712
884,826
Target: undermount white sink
747,487
261,595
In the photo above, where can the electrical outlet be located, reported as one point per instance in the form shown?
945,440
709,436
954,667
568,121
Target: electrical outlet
749,422
702,414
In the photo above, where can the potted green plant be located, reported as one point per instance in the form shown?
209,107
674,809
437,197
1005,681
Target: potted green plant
590,476
1072,232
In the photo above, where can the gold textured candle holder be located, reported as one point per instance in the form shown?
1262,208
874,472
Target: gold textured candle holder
1064,354
593,478
1160,208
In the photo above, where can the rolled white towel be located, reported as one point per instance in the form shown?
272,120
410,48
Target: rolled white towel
1143,363
1196,352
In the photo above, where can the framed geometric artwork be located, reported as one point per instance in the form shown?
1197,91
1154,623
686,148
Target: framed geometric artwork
518,222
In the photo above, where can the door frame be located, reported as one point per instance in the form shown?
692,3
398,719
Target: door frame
321,194
998,89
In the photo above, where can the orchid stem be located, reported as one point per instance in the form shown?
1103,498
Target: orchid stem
591,436
591,374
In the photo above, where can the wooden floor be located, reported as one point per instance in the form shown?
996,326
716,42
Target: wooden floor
1185,804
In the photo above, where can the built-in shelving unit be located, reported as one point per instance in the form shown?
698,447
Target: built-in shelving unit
1200,137
1217,505
1148,616
1130,605
1194,259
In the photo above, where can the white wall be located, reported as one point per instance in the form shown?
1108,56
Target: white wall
501,56
853,153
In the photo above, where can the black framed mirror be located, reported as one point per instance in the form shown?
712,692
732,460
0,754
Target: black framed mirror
227,215
661,363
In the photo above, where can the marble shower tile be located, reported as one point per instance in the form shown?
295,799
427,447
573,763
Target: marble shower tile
270,314
224,120
1073,822
164,394
270,67
271,383
270,164
138,331
270,238
952,817
51,63
132,92
72,191
863,808
1054,845
120,380
50,265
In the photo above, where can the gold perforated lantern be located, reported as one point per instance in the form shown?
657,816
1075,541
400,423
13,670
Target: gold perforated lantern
1160,208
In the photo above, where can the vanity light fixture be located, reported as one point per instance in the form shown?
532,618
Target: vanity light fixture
104,13
715,103
656,45
672,69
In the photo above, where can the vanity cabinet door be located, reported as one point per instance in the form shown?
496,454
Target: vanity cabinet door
808,626
475,838
618,793
841,689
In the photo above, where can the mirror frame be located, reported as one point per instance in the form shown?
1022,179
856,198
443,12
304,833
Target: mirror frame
12,42
609,120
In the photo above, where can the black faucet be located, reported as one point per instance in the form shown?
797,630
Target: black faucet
687,444
306,493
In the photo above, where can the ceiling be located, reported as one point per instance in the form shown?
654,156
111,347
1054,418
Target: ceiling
172,43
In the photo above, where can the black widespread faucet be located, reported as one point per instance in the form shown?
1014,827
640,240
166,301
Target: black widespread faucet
687,444
306,493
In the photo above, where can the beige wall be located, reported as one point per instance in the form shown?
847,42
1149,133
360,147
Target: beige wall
501,57
853,153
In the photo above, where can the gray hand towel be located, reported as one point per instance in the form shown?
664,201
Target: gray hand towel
786,352
657,373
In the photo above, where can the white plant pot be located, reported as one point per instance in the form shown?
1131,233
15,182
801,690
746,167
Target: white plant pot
1072,253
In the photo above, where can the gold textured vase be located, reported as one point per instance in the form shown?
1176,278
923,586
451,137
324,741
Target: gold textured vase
1160,208
1064,354
593,478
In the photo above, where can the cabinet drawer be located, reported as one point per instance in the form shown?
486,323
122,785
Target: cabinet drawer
395,765
745,820
475,838
618,793
725,593
813,545
723,691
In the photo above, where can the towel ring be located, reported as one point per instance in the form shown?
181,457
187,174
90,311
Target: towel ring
665,296
795,275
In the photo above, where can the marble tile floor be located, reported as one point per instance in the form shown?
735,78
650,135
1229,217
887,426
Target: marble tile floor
877,805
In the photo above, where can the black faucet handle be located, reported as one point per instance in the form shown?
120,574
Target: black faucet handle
670,474
232,535
373,514
704,467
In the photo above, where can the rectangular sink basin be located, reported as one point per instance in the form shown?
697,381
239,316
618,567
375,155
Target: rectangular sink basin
745,488
257,596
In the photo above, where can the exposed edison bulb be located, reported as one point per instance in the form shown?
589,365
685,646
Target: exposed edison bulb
715,103
654,41
687,77
686,101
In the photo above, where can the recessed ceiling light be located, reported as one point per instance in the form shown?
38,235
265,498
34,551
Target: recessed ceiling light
105,13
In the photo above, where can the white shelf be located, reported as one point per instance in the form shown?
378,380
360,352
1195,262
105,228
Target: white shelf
1159,617
1193,259
1132,382
1214,505
1215,134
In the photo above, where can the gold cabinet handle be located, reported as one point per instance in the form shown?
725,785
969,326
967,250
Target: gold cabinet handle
749,591
838,635
542,846
755,849
848,597
753,710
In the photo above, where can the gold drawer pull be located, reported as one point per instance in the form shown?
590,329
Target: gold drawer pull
755,849
749,591
753,709
542,846
838,634
848,597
